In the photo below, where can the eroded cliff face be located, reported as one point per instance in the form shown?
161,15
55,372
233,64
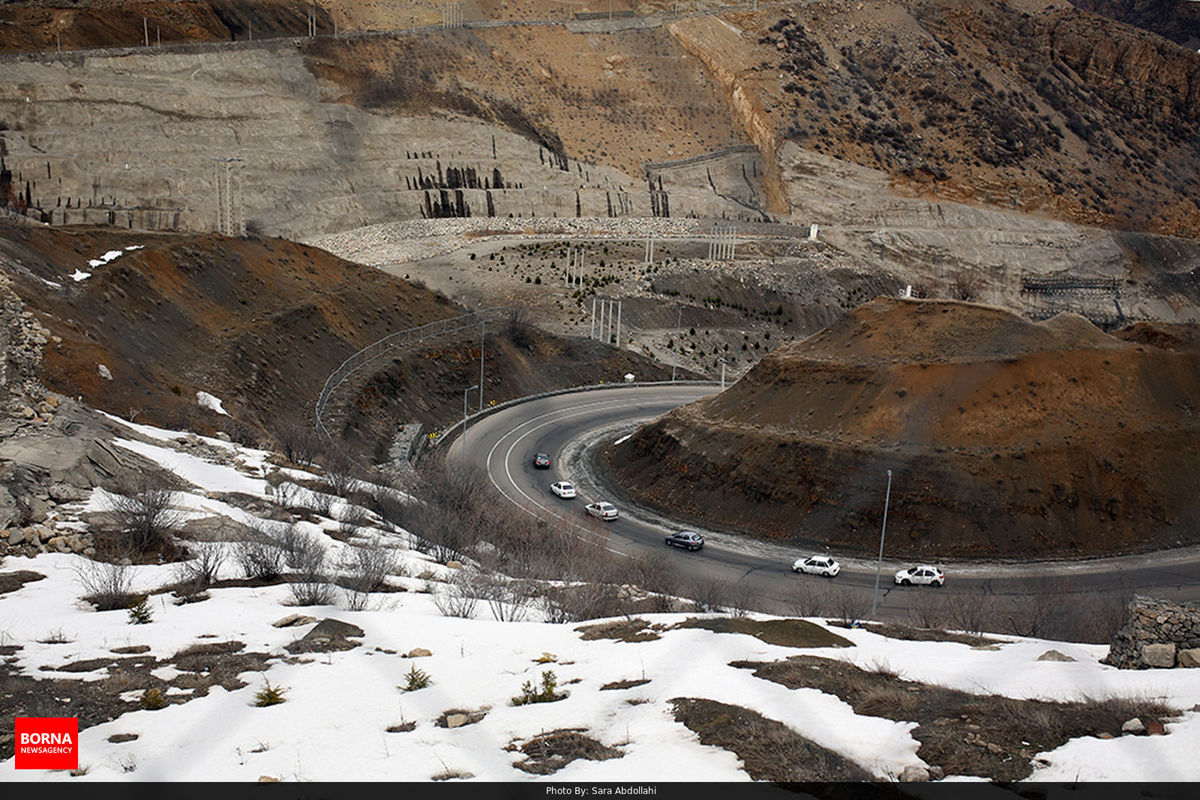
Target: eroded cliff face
1177,20
1005,438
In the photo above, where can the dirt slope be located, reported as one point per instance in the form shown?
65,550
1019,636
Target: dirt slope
1005,437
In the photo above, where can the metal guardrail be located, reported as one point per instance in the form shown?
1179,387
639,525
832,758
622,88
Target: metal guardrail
398,341
436,439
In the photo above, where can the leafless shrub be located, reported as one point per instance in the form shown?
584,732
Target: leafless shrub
368,571
520,328
579,602
283,491
508,601
259,558
928,610
341,472
311,585
107,586
194,576
144,508
389,504
806,599
709,595
457,599
966,285
847,605
298,441
351,519
972,611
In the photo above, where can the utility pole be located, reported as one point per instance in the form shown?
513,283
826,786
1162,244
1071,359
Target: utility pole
592,334
678,344
466,391
882,531
618,342
146,31
482,328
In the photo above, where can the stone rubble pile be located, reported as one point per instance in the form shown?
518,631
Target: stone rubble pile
1157,634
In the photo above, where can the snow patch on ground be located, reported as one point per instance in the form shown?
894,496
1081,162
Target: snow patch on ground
210,402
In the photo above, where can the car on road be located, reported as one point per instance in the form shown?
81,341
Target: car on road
605,511
686,539
563,489
541,461
923,575
817,565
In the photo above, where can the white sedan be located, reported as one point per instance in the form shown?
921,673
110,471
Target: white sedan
923,575
817,565
605,511
563,489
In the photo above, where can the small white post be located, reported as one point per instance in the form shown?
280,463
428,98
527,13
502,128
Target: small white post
812,232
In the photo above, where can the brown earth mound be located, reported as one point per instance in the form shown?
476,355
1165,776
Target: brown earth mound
1005,438
260,323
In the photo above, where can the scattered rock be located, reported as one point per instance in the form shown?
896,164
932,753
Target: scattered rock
403,727
1133,726
1188,658
267,779
1159,655
131,650
119,738
45,534
936,773
418,652
1104,735
457,717
329,635
454,564
1054,655
1155,728
292,620
224,437
16,536
27,412
456,720
914,774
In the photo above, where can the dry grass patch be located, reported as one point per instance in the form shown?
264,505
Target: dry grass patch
626,684
782,632
986,736
911,634
550,752
769,750
628,630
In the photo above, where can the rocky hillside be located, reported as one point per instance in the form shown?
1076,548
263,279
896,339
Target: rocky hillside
1177,20
1005,437
1040,108
258,323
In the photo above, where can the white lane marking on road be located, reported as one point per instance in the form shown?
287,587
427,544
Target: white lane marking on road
559,413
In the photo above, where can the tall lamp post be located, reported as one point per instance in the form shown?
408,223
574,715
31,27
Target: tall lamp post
879,565
466,391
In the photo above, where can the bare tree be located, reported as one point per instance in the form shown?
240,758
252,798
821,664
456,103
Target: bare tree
259,558
198,573
297,440
966,284
145,510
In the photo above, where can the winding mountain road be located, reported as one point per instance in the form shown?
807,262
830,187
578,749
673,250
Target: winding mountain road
567,426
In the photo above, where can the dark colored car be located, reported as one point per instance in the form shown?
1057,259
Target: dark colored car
541,461
689,539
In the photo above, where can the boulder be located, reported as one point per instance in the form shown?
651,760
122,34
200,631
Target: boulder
8,509
1159,655
1189,658
329,635
1155,728
454,564
456,720
16,536
104,371
1133,726
1054,655
46,534
418,652
65,493
914,774
292,620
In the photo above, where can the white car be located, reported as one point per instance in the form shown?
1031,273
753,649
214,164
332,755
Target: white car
923,575
605,511
563,489
817,565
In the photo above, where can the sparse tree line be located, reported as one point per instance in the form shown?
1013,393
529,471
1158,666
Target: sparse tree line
509,562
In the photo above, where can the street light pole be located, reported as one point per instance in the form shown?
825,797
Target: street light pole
466,391
482,330
882,531
678,344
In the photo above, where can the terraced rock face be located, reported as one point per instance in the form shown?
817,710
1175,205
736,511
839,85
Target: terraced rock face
1005,437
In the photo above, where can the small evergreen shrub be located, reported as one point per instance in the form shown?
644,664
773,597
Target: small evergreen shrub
415,679
544,694
139,611
269,696
152,700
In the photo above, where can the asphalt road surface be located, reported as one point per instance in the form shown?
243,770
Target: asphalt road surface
564,426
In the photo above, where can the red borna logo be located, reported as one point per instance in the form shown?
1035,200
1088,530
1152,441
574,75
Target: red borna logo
47,742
